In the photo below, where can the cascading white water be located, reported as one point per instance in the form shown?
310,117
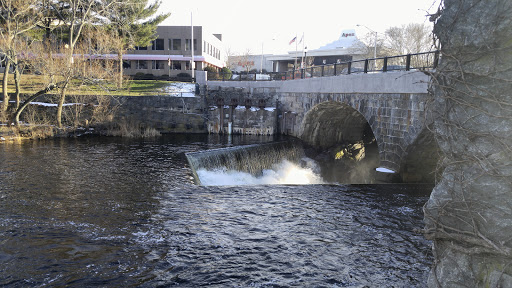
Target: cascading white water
284,172
281,163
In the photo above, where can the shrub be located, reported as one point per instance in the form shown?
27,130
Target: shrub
211,72
226,73
184,75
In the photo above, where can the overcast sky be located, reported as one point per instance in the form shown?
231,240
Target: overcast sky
247,24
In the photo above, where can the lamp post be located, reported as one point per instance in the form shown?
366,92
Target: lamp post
304,69
263,55
261,62
375,45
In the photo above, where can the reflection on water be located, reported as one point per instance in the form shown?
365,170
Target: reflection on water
113,212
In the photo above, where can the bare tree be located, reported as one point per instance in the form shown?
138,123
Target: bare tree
132,23
408,39
230,59
86,71
246,61
368,45
74,16
17,17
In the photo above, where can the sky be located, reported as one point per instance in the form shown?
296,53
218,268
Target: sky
267,26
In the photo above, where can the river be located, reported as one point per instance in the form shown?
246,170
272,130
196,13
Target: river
112,212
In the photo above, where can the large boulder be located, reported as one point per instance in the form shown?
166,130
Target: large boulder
469,214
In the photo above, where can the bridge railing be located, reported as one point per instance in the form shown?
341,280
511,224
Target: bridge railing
409,62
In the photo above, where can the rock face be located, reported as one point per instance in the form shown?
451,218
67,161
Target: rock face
469,214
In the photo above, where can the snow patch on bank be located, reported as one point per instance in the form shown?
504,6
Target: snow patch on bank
180,89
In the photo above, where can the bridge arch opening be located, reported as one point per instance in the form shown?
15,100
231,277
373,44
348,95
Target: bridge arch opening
341,140
420,164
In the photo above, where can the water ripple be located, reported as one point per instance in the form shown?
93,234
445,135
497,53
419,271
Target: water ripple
112,213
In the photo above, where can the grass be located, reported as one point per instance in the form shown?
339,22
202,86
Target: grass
33,83
14,134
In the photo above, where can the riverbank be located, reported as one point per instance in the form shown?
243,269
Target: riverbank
12,134
103,115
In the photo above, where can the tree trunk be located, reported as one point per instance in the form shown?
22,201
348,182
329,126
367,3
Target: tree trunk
5,104
17,81
120,79
61,104
30,99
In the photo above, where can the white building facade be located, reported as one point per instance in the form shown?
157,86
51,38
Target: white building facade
171,53
346,48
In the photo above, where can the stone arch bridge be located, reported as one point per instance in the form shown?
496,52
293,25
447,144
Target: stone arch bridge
326,110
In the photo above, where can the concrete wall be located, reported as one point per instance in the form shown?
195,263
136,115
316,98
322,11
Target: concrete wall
390,82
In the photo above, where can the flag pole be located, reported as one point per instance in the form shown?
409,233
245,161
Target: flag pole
295,65
302,61
192,46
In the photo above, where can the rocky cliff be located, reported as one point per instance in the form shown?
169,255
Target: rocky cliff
469,214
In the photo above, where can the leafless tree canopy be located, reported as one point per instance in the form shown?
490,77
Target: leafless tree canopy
61,40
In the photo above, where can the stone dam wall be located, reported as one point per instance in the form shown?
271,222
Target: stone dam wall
164,113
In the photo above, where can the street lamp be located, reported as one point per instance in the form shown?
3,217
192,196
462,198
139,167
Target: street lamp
305,65
375,45
263,56
261,62
305,57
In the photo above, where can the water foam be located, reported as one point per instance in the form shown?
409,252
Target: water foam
284,172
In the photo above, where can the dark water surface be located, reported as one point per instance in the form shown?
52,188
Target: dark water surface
118,213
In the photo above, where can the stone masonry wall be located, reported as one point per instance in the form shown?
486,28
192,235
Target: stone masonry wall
394,105
396,119
164,113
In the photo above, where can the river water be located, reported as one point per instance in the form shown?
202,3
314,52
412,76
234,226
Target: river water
112,212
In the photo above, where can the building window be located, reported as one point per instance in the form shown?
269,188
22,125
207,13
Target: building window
127,64
141,48
204,46
157,65
176,65
157,44
187,44
176,44
142,64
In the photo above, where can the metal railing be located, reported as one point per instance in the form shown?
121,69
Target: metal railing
409,62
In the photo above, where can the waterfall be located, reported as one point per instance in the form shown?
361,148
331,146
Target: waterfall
252,159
